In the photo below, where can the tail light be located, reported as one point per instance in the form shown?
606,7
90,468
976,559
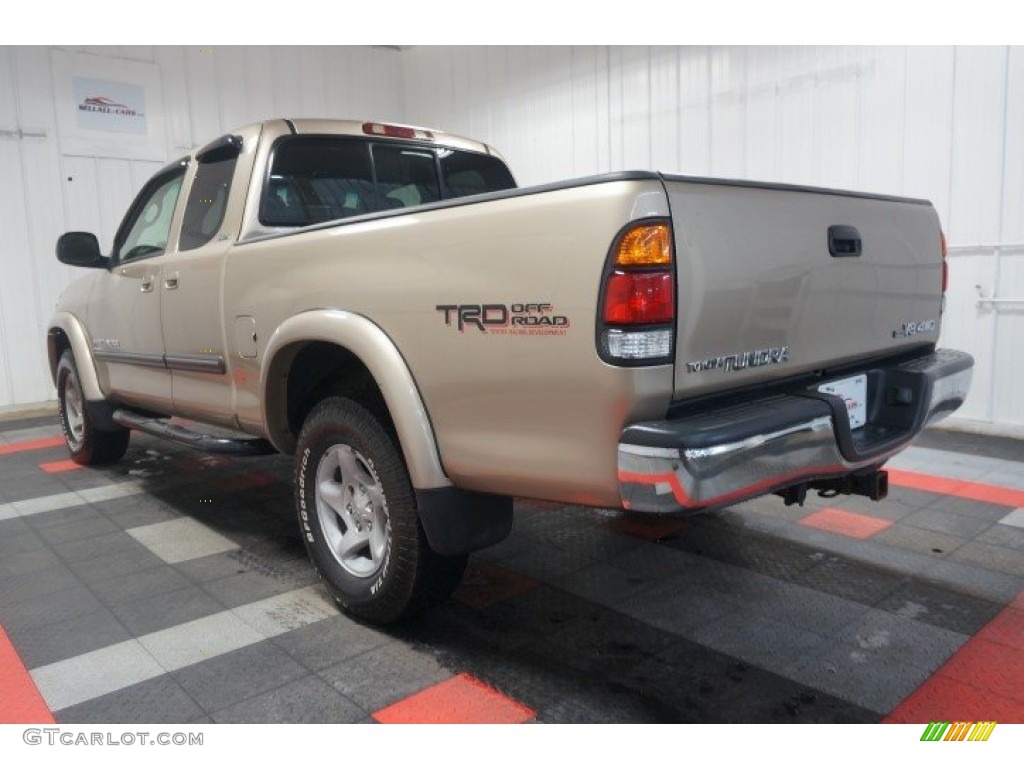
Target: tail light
397,131
638,302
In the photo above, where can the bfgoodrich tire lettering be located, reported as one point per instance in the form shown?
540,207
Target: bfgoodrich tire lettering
88,445
357,513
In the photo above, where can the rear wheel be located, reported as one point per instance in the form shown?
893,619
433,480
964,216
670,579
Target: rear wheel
357,513
87,444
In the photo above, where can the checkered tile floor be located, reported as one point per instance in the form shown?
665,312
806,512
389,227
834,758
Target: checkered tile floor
173,587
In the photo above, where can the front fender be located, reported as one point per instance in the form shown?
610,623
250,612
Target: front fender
374,348
81,346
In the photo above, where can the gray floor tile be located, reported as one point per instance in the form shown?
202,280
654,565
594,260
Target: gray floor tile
758,640
37,584
122,564
965,526
64,638
608,641
676,608
46,609
160,700
183,539
238,675
144,583
975,580
243,588
807,609
848,579
977,509
156,612
918,539
309,700
942,607
545,563
1004,536
137,511
602,583
212,567
652,562
992,557
330,641
877,662
75,530
27,562
384,675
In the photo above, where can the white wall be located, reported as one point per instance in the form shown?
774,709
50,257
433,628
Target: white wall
938,122
942,123
205,92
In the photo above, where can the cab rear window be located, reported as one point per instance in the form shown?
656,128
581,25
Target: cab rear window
314,179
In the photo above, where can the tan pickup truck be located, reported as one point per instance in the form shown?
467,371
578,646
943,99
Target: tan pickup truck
430,341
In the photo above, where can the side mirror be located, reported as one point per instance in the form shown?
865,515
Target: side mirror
80,249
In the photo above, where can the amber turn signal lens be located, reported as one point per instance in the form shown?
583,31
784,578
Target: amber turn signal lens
645,245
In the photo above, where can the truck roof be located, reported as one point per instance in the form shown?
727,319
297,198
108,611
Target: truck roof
385,131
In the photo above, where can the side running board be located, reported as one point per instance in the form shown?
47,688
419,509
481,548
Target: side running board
233,446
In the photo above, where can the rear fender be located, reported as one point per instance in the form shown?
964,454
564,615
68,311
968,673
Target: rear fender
374,348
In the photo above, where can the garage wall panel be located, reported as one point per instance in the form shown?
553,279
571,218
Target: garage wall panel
941,123
205,92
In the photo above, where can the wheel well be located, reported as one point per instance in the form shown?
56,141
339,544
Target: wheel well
56,342
320,369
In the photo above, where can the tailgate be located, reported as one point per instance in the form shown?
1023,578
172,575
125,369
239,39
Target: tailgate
761,297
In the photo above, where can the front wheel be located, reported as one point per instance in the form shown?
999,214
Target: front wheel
357,513
87,444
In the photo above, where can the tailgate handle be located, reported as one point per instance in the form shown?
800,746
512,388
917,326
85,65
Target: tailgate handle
843,240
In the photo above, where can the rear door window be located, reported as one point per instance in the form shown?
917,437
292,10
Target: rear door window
207,202
316,179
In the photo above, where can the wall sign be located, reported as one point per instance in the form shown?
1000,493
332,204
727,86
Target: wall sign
108,107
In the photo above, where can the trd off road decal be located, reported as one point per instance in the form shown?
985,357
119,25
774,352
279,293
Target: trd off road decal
529,319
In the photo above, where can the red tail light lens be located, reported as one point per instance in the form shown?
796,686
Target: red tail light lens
397,131
639,298
637,314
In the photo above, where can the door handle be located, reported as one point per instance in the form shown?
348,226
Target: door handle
146,286
171,282
844,240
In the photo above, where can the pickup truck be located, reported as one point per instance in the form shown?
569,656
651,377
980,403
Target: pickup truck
430,341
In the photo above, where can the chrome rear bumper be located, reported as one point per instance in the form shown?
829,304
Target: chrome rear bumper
713,459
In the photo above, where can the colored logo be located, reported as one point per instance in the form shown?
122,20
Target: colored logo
979,731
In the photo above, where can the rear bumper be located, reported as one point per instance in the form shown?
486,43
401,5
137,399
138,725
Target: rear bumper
715,458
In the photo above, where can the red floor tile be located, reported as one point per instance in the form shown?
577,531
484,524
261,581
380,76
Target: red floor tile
65,465
991,494
488,584
649,527
31,445
995,667
461,699
845,523
944,699
983,680
243,482
1007,628
20,700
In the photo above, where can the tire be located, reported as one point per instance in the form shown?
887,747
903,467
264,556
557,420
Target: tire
88,445
357,513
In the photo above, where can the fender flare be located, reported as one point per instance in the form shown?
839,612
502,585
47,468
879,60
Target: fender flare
364,339
81,348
